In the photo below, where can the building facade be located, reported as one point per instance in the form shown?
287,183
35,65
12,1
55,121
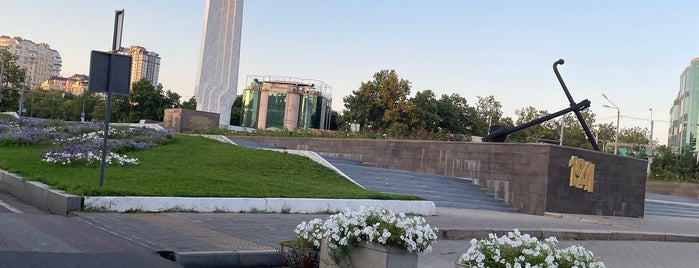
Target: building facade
144,64
39,60
684,114
76,84
286,103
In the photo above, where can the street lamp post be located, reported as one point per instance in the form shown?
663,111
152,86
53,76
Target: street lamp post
1,71
21,94
618,114
650,142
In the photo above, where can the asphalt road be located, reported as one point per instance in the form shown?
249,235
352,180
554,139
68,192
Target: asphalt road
32,238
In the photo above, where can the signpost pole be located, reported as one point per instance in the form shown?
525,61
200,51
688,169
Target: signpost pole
116,43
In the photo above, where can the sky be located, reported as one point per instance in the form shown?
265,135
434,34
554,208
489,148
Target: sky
631,51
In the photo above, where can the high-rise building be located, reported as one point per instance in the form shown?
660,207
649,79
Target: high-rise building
144,64
684,114
39,61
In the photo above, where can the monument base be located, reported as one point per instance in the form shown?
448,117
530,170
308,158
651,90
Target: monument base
183,120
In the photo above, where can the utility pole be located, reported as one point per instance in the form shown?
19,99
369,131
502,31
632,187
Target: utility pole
560,138
650,143
21,94
1,73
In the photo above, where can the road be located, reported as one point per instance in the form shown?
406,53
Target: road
32,238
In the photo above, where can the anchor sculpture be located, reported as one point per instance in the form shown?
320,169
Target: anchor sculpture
498,133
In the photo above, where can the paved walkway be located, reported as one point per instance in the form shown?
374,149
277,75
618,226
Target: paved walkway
206,232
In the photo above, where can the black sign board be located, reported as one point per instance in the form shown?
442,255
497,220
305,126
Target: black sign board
100,73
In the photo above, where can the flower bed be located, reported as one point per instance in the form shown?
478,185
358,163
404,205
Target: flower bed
522,250
79,144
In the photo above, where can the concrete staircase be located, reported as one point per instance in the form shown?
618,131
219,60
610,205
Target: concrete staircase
443,191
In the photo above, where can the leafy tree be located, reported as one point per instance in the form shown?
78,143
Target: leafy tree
573,133
488,112
634,135
236,111
673,167
335,118
172,99
190,104
145,102
12,78
425,110
455,115
546,131
12,74
381,103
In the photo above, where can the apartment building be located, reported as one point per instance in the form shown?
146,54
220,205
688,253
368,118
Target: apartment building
75,84
144,64
39,60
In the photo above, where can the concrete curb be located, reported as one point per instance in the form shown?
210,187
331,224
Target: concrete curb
278,205
563,234
210,259
39,195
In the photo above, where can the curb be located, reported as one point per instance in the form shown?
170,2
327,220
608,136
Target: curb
210,259
39,195
269,205
562,234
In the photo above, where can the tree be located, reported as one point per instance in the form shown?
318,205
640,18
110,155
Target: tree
487,112
573,133
335,118
172,99
425,108
12,78
546,131
455,115
12,74
190,104
381,103
237,111
146,102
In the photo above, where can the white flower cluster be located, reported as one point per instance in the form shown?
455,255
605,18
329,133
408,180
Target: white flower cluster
374,225
311,231
516,250
86,158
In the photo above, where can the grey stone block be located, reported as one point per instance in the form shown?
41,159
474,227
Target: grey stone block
60,203
213,259
270,258
13,185
681,238
35,194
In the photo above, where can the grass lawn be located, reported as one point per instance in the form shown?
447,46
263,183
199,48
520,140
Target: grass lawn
195,167
5,116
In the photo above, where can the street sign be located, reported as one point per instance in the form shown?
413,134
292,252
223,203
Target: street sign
101,66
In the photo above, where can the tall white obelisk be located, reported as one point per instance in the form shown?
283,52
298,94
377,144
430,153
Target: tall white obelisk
217,77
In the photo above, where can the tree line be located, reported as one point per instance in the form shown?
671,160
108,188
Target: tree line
383,105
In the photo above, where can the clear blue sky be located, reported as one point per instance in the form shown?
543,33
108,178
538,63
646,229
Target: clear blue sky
632,51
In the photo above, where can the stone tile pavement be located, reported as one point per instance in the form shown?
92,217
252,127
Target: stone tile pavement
226,232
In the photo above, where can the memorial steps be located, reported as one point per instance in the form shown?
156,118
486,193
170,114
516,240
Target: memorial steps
443,191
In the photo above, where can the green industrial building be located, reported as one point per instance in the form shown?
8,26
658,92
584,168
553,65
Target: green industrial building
272,102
